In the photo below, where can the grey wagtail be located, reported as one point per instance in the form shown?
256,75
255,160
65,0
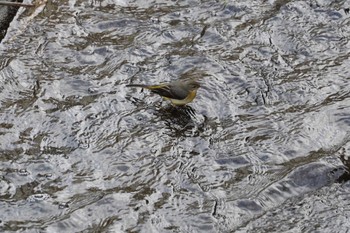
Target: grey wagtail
179,92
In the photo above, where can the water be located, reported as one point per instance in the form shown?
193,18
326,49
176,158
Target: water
263,148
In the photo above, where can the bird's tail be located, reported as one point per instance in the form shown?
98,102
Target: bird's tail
138,85
149,87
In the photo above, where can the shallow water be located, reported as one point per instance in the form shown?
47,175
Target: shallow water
264,147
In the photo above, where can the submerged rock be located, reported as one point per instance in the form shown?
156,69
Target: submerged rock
7,13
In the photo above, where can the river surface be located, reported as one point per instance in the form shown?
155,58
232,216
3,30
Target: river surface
264,147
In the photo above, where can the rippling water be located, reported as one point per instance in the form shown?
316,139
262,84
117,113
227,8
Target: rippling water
263,148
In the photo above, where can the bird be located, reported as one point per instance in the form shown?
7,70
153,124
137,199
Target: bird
179,92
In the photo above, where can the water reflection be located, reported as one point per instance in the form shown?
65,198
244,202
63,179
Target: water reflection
176,116
265,138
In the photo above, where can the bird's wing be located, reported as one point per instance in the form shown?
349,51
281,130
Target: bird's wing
169,91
